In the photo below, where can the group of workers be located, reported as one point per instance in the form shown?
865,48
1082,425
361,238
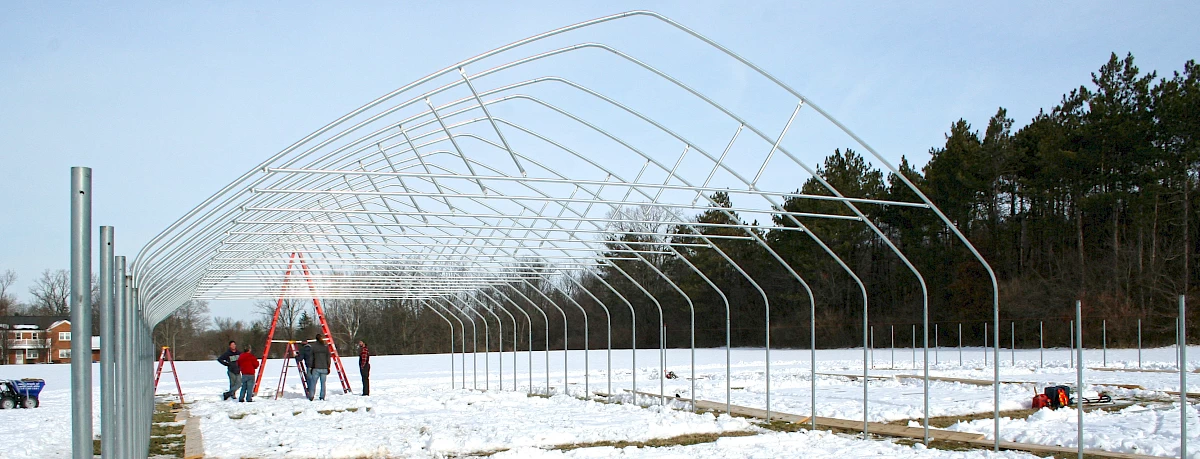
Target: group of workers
241,367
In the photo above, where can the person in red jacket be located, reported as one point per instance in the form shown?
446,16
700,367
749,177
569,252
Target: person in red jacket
247,363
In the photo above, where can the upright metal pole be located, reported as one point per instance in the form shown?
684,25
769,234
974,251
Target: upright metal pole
812,336
985,346
1041,345
866,435
143,379
81,312
135,382
451,324
107,371
1139,327
872,346
1104,339
120,445
1183,403
1079,377
130,370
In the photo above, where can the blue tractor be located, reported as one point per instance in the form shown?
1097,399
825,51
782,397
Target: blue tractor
20,393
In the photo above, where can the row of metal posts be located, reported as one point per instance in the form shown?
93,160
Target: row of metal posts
1076,346
1012,344
126,349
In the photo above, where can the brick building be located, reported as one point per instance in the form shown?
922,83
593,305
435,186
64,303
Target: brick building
38,339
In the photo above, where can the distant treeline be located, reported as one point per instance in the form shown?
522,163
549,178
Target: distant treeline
1093,200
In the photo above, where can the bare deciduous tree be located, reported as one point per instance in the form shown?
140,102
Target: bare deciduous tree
180,328
51,293
346,318
289,314
7,299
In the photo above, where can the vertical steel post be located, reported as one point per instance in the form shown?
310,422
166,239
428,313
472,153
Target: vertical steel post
130,371
1072,343
147,379
1183,403
120,445
866,426
107,373
81,312
141,442
812,336
872,353
1041,345
1078,377
1139,327
435,311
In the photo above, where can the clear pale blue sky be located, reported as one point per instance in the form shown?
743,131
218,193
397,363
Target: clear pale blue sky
169,102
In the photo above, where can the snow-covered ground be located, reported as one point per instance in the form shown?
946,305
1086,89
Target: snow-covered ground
415,411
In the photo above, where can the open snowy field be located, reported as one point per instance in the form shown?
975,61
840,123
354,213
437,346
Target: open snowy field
414,411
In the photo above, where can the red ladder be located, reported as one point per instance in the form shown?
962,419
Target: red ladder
289,354
333,354
165,356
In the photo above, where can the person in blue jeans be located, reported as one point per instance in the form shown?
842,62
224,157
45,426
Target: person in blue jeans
320,367
247,363
305,358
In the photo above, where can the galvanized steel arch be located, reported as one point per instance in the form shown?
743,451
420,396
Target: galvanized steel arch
185,260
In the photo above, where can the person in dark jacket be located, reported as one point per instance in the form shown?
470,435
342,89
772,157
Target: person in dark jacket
305,357
320,367
364,366
229,359
247,363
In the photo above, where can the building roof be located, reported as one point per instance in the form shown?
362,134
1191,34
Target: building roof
41,322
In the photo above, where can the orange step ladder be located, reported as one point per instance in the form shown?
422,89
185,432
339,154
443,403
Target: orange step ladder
289,354
165,356
298,258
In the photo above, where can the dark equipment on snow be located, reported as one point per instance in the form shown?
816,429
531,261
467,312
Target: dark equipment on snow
20,393
1059,396
1103,398
1056,397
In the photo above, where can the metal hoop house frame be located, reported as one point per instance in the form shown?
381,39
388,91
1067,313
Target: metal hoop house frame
512,172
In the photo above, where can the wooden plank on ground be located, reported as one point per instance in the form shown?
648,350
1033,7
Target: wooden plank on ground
1139,370
1049,449
855,377
1176,393
874,427
193,444
892,430
734,409
977,382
